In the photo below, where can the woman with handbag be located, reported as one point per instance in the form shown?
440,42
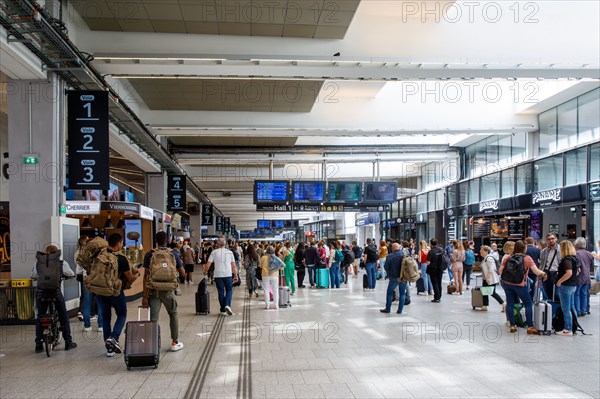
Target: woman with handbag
491,277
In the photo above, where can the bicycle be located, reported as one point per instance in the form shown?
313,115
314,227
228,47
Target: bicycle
50,326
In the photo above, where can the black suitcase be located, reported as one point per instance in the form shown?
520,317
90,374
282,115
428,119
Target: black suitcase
202,298
365,282
142,342
420,285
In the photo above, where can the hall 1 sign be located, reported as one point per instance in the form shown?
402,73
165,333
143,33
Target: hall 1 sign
87,124
219,224
207,215
176,193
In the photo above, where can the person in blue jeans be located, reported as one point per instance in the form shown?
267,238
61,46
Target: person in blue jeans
449,249
567,284
334,268
111,334
586,264
520,290
371,259
225,275
393,265
88,300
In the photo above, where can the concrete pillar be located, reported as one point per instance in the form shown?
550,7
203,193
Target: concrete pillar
156,191
196,228
35,190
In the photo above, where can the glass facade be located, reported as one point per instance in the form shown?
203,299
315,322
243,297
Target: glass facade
451,196
548,173
463,193
474,191
547,123
493,153
490,187
508,183
524,179
576,167
595,162
588,121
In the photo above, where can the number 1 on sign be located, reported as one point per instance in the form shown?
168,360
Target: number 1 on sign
88,107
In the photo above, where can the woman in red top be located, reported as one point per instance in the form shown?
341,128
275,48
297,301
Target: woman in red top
521,289
423,251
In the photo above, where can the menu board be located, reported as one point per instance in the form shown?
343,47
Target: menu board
535,225
482,228
499,228
516,228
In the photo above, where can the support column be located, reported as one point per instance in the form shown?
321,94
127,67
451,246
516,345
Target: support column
36,191
196,228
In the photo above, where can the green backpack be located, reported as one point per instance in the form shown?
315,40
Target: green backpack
103,276
162,271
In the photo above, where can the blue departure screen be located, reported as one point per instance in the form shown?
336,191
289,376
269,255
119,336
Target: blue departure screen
264,224
278,224
344,192
271,191
309,192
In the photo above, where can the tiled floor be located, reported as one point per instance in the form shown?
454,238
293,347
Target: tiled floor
330,344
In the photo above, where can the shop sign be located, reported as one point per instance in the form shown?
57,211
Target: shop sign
82,208
547,197
120,206
488,206
87,118
146,213
595,192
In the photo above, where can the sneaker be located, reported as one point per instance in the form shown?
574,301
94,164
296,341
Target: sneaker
70,345
223,313
80,316
39,347
435,300
384,311
190,282
87,329
430,293
110,353
100,329
178,291
176,346
113,344
94,317
483,308
532,331
565,333
228,311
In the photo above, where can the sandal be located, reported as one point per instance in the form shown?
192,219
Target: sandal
513,329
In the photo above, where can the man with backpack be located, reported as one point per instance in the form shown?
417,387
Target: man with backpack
162,266
49,271
514,272
124,275
393,265
356,249
348,262
371,259
435,268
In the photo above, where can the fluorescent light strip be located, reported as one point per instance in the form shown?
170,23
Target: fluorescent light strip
211,78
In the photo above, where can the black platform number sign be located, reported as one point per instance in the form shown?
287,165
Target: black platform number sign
207,215
226,224
219,224
176,193
88,139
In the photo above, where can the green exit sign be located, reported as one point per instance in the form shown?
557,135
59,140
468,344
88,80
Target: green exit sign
30,159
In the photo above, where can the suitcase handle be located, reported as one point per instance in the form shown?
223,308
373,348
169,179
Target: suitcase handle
140,313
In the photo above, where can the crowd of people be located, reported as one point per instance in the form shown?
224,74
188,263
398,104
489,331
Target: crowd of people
562,269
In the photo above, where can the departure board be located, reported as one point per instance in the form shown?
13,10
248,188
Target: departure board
308,192
344,192
271,192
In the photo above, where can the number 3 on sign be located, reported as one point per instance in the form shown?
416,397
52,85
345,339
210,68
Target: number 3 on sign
89,174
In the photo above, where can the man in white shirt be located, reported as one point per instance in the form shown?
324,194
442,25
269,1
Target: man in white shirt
225,274
494,254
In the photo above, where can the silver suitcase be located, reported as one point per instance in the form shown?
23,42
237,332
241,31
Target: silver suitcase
542,312
284,297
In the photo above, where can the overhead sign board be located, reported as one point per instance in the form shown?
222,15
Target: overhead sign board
219,224
87,121
207,215
176,193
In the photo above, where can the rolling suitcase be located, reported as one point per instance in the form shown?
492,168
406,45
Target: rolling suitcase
284,297
478,300
202,298
142,342
420,285
322,278
542,311
365,282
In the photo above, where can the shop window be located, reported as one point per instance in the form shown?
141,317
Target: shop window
451,196
519,148
474,191
507,183
504,150
576,167
412,206
547,122
491,150
463,193
470,162
595,163
439,199
490,187
589,117
548,173
422,203
395,210
567,125
524,179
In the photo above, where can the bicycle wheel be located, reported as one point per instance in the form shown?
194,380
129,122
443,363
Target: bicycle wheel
48,342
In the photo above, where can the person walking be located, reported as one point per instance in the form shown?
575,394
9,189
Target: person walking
383,253
270,265
585,259
491,278
371,258
423,251
435,269
458,256
226,273
251,261
394,267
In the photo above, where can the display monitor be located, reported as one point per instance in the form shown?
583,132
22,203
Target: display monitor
308,192
380,192
133,232
263,224
271,191
129,196
342,192
292,223
278,224
113,193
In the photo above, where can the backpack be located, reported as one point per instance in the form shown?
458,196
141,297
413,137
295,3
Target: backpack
558,322
162,271
514,270
349,258
446,261
89,251
357,252
49,270
339,256
469,257
410,270
188,256
372,255
103,276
